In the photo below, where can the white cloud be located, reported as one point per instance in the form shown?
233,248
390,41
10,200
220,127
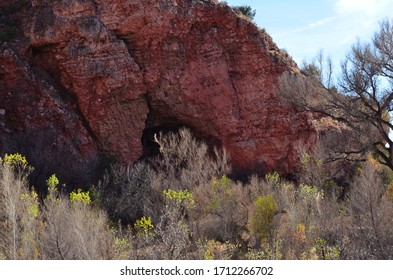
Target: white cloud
316,24
351,6
321,22
361,18
369,7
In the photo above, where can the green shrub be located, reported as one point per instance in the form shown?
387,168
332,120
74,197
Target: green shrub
180,198
144,227
18,163
326,252
245,10
80,197
52,181
261,221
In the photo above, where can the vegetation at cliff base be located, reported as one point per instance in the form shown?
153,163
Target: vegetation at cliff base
184,206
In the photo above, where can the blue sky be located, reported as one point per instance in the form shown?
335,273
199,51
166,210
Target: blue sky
303,27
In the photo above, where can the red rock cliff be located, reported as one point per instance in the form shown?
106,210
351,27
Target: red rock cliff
103,72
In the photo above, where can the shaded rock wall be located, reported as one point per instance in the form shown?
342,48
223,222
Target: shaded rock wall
37,120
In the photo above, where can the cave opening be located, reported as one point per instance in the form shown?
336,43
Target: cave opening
151,149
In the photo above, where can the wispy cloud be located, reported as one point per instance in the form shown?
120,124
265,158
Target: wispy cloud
315,24
321,22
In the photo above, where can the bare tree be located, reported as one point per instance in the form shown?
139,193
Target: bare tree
364,106
11,188
370,233
57,239
187,162
30,221
73,230
90,235
174,233
14,171
223,209
127,193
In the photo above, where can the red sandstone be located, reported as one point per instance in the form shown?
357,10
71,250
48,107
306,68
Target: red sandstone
133,64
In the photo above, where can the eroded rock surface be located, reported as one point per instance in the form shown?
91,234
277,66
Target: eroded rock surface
104,71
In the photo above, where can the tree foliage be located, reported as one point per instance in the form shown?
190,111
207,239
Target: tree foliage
361,100
261,222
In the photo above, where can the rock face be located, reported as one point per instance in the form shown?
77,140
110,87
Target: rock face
36,120
104,75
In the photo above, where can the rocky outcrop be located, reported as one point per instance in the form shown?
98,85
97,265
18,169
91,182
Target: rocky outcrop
105,75
38,120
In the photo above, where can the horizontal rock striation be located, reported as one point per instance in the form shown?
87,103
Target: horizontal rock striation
104,75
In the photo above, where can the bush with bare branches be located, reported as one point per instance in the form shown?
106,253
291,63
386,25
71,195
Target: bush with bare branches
365,104
370,235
